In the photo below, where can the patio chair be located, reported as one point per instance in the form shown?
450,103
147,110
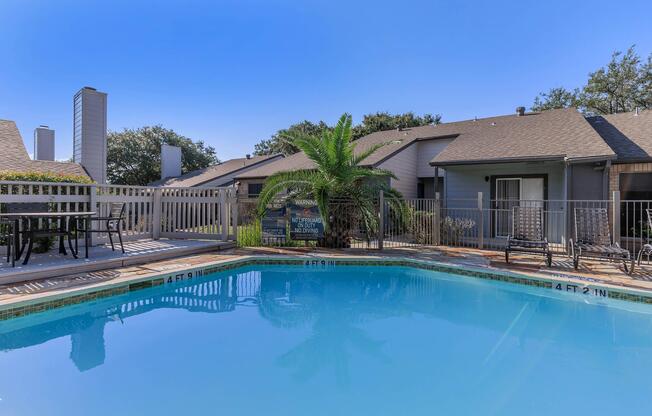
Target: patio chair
593,239
647,248
528,233
114,223
8,232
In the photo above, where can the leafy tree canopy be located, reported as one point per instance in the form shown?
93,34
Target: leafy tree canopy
283,140
624,84
372,123
558,97
134,155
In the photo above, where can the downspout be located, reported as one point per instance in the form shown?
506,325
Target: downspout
567,198
605,180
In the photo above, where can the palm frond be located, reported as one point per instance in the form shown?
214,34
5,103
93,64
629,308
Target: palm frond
281,182
357,159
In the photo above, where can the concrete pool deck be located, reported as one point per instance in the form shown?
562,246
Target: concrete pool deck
32,295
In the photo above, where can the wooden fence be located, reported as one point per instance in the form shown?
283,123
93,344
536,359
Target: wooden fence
150,212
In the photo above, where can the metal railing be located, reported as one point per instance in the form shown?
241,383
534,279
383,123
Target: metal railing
479,222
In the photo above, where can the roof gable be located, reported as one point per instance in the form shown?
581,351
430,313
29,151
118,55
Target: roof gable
215,172
14,156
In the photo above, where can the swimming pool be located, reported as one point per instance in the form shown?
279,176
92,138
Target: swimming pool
296,340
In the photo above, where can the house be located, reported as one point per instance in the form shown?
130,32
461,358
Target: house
14,156
549,155
221,174
554,154
630,136
407,153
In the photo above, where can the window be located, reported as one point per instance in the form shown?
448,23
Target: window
254,190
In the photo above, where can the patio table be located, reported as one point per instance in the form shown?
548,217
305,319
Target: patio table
31,230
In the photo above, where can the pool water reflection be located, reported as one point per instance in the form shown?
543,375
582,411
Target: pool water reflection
337,340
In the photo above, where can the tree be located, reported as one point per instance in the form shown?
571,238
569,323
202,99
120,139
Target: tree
556,98
281,142
134,155
623,85
380,121
336,176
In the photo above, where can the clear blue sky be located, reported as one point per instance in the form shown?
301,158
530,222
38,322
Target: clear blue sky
234,72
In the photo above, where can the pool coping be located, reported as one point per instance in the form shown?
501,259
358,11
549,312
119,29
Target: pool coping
40,302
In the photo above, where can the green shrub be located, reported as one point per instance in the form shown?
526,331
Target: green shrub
43,177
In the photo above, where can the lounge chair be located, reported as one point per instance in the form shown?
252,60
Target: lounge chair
647,248
528,233
593,239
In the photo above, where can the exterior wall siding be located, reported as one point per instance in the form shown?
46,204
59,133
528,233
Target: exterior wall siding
404,166
89,131
464,182
426,151
587,182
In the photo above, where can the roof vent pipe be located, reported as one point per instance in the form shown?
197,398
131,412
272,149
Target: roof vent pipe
520,111
636,112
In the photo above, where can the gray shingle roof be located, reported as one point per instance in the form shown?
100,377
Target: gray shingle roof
552,134
394,141
628,134
211,173
14,156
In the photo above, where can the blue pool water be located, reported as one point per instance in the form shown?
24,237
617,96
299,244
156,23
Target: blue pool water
292,340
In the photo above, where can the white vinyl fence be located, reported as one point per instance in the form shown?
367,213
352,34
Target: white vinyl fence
150,212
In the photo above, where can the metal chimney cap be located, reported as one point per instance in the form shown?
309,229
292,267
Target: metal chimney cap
43,126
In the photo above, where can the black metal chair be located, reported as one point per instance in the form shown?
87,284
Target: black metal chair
593,238
8,232
114,223
528,233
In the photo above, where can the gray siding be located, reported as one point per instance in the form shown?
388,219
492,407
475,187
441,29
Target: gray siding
426,151
89,132
464,182
587,183
404,166
43,144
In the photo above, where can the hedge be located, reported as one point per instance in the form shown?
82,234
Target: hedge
43,177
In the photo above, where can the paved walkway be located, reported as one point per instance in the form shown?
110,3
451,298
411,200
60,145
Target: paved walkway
599,272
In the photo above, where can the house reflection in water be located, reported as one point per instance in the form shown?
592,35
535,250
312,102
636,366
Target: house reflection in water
336,308
87,330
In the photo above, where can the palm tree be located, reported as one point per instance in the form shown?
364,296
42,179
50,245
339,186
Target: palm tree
341,188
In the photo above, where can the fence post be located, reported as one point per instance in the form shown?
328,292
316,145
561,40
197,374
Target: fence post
224,227
616,216
437,221
157,207
480,222
93,207
234,215
381,219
